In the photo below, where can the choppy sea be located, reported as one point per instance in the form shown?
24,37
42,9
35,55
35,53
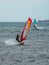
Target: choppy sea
35,50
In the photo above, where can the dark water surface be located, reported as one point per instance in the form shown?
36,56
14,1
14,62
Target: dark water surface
35,51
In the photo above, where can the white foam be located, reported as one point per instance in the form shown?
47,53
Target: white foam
41,28
11,42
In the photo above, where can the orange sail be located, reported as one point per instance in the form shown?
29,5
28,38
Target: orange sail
26,30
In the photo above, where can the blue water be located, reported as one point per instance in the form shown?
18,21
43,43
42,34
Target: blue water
35,50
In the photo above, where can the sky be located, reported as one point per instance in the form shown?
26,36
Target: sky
20,10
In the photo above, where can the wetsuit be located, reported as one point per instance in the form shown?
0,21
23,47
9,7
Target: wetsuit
17,38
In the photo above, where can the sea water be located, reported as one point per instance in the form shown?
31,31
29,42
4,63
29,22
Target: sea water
35,50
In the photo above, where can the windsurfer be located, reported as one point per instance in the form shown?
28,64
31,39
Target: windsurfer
18,39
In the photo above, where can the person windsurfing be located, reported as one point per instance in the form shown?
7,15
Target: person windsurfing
21,38
35,24
18,39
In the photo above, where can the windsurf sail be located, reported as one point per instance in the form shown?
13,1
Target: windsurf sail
26,30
